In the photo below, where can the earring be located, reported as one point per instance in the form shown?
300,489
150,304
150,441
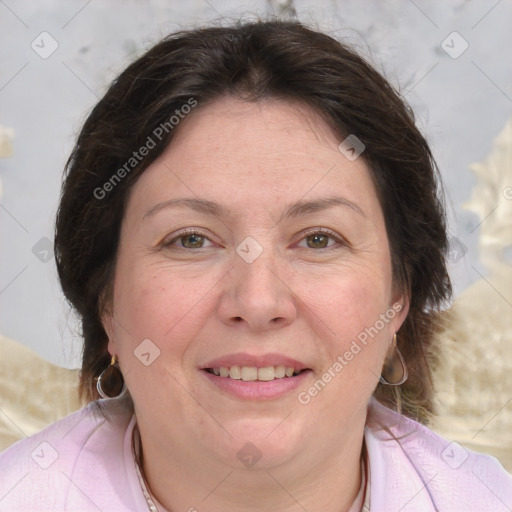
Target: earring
110,383
390,376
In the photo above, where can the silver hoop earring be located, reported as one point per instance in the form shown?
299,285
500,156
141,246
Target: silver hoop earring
110,383
389,375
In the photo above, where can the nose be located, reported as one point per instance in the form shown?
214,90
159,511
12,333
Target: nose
257,295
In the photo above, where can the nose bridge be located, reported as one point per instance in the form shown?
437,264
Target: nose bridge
256,270
261,274
256,291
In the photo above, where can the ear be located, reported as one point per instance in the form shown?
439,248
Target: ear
107,317
400,305
108,326
107,321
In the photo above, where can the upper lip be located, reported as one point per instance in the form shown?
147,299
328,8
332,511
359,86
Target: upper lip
262,361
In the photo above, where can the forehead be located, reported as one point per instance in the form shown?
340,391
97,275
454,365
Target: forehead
270,130
250,154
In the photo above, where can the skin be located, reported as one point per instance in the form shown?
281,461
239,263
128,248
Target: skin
298,298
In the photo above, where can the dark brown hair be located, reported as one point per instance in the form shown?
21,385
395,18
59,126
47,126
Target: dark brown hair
253,61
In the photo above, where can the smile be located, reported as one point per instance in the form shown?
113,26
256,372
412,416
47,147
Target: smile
253,373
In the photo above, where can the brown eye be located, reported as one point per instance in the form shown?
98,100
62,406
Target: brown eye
321,239
188,240
318,241
192,241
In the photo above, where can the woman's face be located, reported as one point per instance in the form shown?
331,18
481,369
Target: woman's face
253,245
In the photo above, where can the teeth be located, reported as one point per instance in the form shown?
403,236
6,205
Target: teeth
235,372
266,373
252,373
249,373
279,372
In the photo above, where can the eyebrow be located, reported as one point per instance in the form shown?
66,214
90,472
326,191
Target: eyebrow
199,205
305,207
294,210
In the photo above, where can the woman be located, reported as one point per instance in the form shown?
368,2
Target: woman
251,231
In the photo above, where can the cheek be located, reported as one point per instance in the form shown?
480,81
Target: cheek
354,312
156,317
162,304
353,346
354,322
350,298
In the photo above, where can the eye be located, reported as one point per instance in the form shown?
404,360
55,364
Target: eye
189,239
321,239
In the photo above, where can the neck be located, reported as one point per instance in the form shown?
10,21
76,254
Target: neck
311,481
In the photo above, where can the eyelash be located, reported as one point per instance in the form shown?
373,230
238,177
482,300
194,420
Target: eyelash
184,233
314,231
324,231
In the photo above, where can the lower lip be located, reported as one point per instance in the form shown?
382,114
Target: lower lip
257,389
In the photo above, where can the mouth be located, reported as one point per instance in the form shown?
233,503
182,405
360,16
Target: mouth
254,373
252,377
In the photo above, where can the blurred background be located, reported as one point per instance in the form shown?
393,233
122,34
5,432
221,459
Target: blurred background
449,58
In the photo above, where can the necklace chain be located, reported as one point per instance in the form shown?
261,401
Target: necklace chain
136,450
147,495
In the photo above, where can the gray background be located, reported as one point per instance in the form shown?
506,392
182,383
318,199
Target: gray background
461,105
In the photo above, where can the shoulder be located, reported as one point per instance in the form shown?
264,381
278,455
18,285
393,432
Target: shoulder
428,471
66,464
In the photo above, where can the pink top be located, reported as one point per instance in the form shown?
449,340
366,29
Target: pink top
85,463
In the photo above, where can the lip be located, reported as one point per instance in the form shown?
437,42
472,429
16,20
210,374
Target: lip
256,390
241,359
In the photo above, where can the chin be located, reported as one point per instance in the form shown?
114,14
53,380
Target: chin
262,443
